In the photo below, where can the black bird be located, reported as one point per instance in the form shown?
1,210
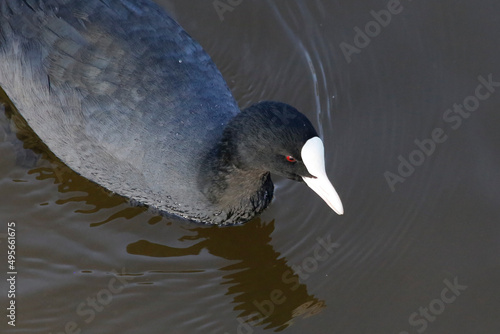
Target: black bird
125,97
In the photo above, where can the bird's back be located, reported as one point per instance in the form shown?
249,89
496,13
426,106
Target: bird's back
119,92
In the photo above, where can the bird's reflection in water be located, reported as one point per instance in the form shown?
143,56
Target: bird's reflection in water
266,290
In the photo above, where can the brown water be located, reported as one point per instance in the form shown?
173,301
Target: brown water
420,257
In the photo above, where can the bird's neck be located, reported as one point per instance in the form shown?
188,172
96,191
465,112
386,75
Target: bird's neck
235,192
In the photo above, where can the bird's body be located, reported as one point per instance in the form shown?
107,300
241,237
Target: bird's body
125,97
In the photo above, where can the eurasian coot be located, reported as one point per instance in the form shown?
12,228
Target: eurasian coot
125,97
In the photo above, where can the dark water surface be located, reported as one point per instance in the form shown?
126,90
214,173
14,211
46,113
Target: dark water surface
420,256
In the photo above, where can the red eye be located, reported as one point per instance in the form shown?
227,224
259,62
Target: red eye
290,158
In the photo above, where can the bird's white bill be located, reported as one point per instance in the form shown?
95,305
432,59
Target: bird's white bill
313,156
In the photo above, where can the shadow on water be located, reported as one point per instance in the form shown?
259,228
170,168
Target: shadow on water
266,289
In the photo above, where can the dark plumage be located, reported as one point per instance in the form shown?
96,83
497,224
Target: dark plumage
125,97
